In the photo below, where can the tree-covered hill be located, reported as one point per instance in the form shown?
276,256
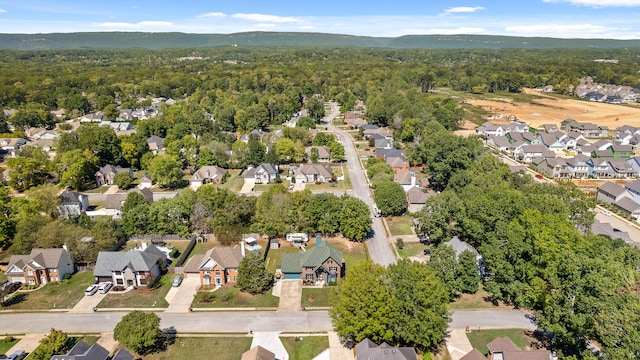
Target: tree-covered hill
121,40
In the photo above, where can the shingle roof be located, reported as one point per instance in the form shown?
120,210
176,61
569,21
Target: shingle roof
314,257
474,354
44,258
502,344
209,172
137,260
122,354
69,197
460,246
368,350
115,201
82,351
258,353
628,204
404,177
226,257
634,186
416,196
612,188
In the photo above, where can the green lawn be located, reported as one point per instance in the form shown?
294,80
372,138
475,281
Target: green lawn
140,297
5,346
479,300
400,225
200,248
98,190
305,349
480,339
189,348
53,295
338,186
233,297
411,249
320,297
234,182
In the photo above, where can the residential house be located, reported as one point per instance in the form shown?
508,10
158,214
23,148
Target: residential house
634,189
525,153
11,145
368,350
60,113
613,99
207,175
489,129
578,166
621,150
556,168
406,179
45,144
255,132
589,130
97,117
218,266
500,143
324,154
258,353
107,173
460,246
379,131
317,265
416,199
593,96
113,202
314,173
622,169
603,154
357,122
629,205
386,153
72,203
553,141
504,349
40,267
262,174
83,351
126,115
612,193
397,163
383,144
155,143
354,119
522,136
550,128
136,267
602,144
145,182
602,228
599,168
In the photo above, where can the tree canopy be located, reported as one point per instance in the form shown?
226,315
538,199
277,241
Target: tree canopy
139,331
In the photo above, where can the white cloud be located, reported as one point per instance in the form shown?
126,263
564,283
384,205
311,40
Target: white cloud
557,30
460,30
264,18
306,27
138,25
599,3
3,11
264,26
462,9
212,15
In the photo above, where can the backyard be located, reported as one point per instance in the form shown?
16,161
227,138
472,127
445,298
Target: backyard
189,348
141,297
480,339
304,348
400,225
53,295
233,297
411,249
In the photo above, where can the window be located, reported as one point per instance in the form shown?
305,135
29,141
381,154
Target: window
234,278
118,273
309,276
30,272
206,272
333,268
217,272
119,282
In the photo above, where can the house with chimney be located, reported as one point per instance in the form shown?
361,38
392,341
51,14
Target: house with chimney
136,267
218,266
207,175
40,267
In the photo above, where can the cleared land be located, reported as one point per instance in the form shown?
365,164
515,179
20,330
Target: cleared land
539,108
306,347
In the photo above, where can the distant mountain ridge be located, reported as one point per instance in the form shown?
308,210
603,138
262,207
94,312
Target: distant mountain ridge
123,40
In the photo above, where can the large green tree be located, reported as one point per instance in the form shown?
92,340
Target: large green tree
30,168
166,171
390,198
139,331
355,219
253,276
56,343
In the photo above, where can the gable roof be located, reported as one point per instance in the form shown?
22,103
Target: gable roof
315,169
314,257
262,168
39,259
474,354
115,201
633,186
208,172
226,257
323,151
110,169
628,204
404,177
612,189
460,246
83,351
416,196
502,344
69,197
136,259
258,353
368,350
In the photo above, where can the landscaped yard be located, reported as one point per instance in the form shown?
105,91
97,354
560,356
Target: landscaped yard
190,348
341,185
479,300
140,297
201,248
315,297
306,348
6,345
400,225
234,182
411,249
53,295
274,258
480,339
233,297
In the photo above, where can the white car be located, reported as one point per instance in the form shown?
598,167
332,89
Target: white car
606,212
91,290
104,287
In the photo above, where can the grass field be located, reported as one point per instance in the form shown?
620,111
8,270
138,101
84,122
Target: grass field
480,339
201,248
274,258
140,297
53,295
411,249
234,182
400,225
479,300
190,348
320,297
305,349
6,345
338,186
233,297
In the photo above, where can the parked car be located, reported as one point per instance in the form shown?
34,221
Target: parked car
104,287
177,280
91,290
606,212
427,251
17,355
539,176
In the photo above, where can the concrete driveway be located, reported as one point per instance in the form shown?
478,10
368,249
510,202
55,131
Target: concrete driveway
28,343
87,303
270,341
181,297
458,344
290,295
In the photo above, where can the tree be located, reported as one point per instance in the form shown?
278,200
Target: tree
315,107
444,263
313,155
256,152
56,343
364,305
336,151
77,168
355,218
253,276
123,180
30,168
306,122
166,171
139,331
390,198
468,273
274,211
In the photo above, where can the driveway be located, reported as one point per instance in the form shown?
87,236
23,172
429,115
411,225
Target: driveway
181,297
458,344
290,295
87,303
247,187
28,343
270,341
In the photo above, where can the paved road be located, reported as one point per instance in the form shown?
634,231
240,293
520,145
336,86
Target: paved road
617,223
491,319
94,197
236,322
378,245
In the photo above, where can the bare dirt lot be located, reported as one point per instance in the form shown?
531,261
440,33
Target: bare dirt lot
547,109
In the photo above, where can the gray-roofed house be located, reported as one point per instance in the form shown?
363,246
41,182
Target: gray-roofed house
324,154
72,203
601,228
500,143
218,266
83,351
397,163
136,267
634,190
416,198
113,202
629,205
105,175
555,167
122,354
599,168
460,246
368,350
317,265
40,267
578,166
262,174
145,182
622,169
406,179
612,193
11,145
314,173
207,175
156,143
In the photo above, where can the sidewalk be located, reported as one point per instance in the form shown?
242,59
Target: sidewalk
28,343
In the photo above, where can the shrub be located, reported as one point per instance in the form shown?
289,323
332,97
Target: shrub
400,243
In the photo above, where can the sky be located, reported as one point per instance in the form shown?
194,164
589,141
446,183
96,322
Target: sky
615,19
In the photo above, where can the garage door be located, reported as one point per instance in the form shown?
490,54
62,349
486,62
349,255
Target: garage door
291,276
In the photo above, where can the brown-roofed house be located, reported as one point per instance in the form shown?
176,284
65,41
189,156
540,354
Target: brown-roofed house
207,175
474,354
416,198
313,173
218,266
258,353
41,266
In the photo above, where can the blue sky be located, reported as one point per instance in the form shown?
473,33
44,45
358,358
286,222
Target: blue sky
619,19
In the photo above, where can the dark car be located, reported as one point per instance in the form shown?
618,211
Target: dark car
427,251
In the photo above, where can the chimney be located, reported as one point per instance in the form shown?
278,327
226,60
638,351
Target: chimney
144,245
242,249
413,179
64,246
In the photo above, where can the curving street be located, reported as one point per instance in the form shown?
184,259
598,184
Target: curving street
378,246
